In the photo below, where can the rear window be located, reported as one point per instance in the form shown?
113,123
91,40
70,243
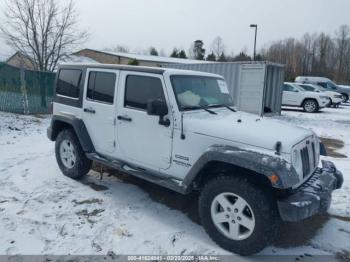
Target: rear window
68,82
101,87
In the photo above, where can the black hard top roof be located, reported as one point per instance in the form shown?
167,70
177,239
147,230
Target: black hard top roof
154,70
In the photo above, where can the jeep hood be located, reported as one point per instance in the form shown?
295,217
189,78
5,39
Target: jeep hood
244,128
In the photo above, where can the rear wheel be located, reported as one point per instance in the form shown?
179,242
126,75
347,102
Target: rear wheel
70,156
310,106
237,215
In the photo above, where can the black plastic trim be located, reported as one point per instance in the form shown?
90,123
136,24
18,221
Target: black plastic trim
263,164
314,196
78,126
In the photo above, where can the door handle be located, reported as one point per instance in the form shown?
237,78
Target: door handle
89,110
124,118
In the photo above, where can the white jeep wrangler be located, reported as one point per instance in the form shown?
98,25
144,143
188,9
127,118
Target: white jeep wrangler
178,129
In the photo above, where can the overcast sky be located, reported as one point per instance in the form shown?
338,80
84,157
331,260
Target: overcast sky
166,24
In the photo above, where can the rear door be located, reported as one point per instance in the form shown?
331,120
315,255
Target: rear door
99,108
142,139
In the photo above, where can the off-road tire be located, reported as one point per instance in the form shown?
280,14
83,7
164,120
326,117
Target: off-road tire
82,164
262,204
310,101
345,98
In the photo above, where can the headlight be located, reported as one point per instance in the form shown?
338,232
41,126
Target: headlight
296,162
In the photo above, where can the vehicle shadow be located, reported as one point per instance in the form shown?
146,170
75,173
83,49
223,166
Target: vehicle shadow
301,110
289,234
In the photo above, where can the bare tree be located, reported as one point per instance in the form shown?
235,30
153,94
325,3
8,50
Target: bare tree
218,46
41,30
342,45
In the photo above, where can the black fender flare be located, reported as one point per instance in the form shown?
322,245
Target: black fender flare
260,163
78,126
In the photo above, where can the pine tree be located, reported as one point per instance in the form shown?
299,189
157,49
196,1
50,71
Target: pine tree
211,57
182,54
175,53
153,51
222,57
134,62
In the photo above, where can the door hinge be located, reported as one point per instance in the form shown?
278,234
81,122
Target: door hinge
114,144
115,121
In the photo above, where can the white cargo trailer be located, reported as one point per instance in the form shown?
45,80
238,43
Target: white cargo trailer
256,87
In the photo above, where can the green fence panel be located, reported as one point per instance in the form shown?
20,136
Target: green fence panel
25,91
39,88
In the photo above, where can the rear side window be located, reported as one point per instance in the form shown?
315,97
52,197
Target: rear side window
140,89
101,87
308,88
68,82
323,84
287,87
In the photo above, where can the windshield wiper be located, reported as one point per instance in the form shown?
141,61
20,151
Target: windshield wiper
199,107
223,105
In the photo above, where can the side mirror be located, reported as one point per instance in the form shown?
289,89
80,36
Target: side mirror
158,108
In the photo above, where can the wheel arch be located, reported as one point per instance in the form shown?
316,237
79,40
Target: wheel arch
215,168
256,166
59,123
309,98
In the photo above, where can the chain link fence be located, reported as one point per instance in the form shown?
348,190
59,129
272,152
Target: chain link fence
25,91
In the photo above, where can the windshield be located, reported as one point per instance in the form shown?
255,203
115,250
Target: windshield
196,92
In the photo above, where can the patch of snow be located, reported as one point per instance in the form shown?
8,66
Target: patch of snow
160,59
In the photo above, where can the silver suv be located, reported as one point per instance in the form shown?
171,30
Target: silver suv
325,83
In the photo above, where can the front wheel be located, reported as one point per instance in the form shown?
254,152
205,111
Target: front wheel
310,106
237,215
344,98
70,156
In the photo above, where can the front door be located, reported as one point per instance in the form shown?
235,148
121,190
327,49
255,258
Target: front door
142,139
99,108
290,95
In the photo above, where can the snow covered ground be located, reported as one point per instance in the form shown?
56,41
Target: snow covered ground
43,212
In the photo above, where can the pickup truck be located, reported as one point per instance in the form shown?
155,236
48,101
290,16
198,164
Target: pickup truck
179,129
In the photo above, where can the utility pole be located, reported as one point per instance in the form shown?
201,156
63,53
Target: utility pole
256,32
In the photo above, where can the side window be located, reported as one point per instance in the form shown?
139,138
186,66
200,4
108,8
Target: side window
287,87
101,86
68,82
140,89
308,88
323,84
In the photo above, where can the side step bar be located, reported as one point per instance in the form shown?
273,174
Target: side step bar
139,172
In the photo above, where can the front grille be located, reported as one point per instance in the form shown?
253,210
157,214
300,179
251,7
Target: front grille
308,158
314,154
305,161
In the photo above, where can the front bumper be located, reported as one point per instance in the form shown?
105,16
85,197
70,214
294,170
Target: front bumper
314,196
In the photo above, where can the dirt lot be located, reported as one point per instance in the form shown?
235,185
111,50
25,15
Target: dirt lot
43,212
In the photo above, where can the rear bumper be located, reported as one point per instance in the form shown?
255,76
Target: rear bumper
314,196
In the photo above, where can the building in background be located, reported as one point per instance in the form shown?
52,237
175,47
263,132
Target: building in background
20,60
106,57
